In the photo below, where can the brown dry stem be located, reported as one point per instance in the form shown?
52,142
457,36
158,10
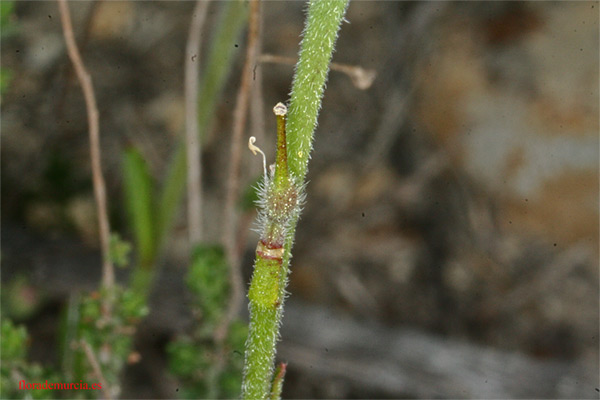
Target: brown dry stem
93,360
85,80
361,78
68,72
233,181
192,139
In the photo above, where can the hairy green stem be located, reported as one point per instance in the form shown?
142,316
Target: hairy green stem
321,32
264,327
282,194
279,205
322,26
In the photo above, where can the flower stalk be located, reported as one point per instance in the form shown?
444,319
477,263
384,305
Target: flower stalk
279,205
281,195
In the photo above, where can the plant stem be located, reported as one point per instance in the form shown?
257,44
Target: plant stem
320,34
282,194
93,360
108,275
219,61
278,382
279,205
264,327
194,175
361,78
240,114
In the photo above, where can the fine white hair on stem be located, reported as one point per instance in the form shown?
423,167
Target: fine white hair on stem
254,149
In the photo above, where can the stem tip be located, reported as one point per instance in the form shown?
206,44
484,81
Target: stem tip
280,109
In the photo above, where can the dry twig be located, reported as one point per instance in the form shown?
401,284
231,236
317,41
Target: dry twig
233,181
192,139
257,129
257,104
91,357
68,72
361,78
85,80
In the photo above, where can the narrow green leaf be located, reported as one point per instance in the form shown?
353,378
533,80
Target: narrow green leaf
68,334
171,194
223,48
8,26
6,9
138,193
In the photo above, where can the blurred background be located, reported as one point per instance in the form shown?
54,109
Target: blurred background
448,246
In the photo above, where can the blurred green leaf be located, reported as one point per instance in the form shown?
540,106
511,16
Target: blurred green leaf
250,196
14,366
7,26
133,306
119,250
232,20
5,79
13,342
208,280
6,9
236,339
191,359
69,325
139,194
20,300
172,193
90,308
188,358
109,336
